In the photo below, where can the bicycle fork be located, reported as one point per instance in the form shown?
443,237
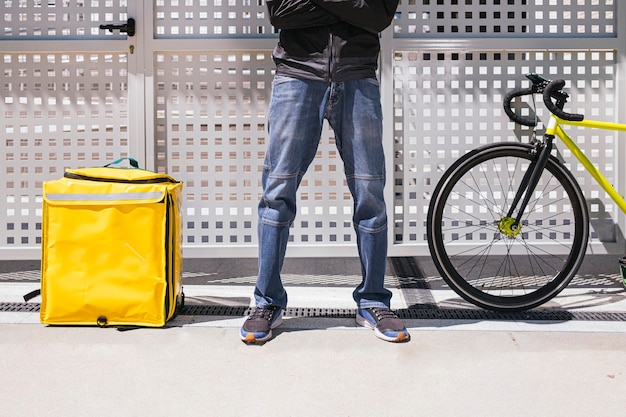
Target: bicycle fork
510,225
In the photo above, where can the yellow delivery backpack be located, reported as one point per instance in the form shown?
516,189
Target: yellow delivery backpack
111,248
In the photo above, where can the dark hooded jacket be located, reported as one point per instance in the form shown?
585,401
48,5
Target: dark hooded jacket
329,40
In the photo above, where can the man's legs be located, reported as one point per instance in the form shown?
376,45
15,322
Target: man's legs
297,111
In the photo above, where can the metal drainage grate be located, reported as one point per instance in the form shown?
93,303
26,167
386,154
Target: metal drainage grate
409,314
19,307
422,314
533,315
203,310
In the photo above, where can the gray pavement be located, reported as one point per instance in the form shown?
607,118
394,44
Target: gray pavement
325,371
317,366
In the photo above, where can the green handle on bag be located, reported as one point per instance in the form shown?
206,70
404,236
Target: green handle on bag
132,161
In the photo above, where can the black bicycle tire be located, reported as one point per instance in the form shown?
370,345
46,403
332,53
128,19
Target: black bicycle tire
437,245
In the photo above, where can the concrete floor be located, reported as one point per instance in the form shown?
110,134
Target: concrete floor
317,366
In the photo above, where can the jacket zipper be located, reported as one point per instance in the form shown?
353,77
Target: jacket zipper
147,181
329,76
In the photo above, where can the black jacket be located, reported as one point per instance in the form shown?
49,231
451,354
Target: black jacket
329,40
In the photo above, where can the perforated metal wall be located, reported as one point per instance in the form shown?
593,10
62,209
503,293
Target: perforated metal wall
506,18
211,18
60,110
60,19
447,103
188,95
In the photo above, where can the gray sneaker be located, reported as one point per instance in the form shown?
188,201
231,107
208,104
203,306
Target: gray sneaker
258,326
387,326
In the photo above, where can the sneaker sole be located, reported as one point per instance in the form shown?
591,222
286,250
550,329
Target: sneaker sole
402,336
251,339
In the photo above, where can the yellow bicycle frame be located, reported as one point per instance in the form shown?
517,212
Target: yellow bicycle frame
554,128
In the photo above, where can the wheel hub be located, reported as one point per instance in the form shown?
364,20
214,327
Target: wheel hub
508,227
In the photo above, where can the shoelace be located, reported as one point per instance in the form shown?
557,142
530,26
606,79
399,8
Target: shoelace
384,313
266,313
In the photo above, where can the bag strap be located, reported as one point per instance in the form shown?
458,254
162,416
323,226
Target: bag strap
32,294
132,161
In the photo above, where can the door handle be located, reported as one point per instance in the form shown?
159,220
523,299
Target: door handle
128,27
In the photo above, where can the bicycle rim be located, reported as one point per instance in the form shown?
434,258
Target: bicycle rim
477,252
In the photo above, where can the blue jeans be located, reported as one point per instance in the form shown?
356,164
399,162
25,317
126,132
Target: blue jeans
297,112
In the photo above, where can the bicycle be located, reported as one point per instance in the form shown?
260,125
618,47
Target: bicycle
508,224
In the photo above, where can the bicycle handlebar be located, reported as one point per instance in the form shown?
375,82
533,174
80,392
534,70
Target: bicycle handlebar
522,120
550,90
554,90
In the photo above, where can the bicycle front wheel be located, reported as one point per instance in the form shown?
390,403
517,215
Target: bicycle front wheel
480,255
